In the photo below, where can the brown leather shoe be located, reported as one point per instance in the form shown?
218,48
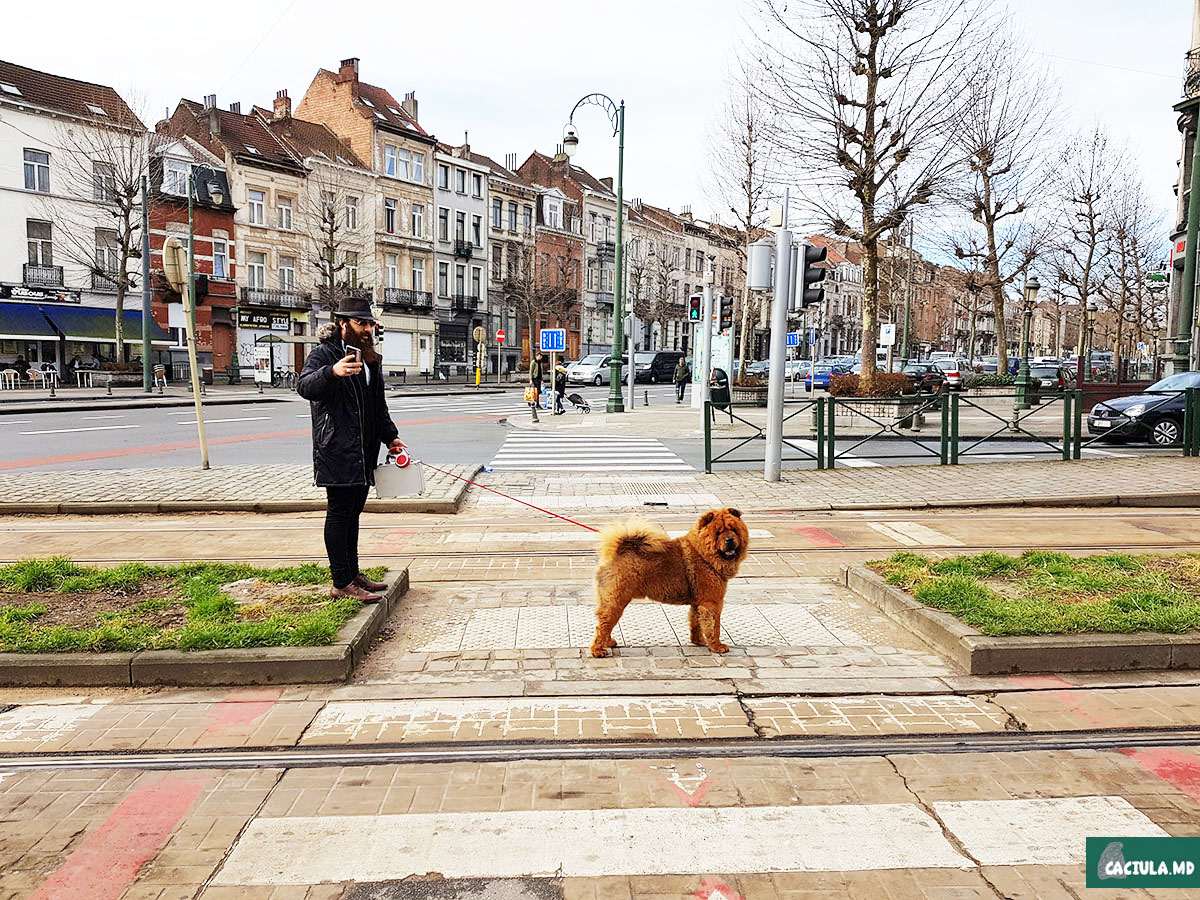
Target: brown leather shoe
375,587
353,590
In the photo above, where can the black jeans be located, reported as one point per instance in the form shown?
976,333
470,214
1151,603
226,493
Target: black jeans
679,388
341,531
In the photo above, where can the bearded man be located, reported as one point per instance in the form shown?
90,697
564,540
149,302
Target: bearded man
343,380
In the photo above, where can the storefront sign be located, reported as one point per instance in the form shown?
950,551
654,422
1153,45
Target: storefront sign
265,321
20,292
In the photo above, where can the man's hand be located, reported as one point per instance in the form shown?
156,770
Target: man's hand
397,445
347,365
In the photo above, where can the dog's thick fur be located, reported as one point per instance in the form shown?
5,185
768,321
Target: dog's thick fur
638,559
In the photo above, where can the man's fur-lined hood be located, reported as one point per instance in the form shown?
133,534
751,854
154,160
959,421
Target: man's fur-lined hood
326,331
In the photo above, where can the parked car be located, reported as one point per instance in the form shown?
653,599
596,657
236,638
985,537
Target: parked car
656,365
954,370
819,375
592,369
761,367
796,369
926,378
1155,416
1051,377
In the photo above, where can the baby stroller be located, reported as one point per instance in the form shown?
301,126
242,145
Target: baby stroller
579,403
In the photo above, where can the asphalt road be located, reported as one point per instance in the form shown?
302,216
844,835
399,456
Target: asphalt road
454,429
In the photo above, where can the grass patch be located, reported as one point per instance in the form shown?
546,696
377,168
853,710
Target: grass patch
1041,592
55,606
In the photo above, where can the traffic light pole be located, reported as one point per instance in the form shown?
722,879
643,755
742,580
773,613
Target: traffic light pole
706,341
779,313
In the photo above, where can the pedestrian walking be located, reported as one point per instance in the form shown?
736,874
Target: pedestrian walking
343,380
537,371
560,388
681,377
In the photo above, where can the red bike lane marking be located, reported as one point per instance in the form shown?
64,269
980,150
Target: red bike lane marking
109,858
818,537
238,709
1180,770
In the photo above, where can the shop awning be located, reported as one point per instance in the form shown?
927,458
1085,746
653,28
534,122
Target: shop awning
91,325
24,322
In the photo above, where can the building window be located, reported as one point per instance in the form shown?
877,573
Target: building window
108,256
352,212
220,255
390,155
443,279
256,270
511,262
497,262
443,177
392,264
389,215
175,177
418,220
104,182
527,215
283,206
553,213
287,273
477,230
699,261
460,281
41,245
592,227
607,229
497,213
476,184
37,171
512,215
443,224
405,165
460,226
476,278
418,173
418,274
687,259
256,202
460,181
351,268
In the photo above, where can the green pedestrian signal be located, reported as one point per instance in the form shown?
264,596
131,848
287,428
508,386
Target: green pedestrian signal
694,309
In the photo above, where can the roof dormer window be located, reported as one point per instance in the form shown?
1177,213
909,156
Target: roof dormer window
10,89
250,148
96,110
368,102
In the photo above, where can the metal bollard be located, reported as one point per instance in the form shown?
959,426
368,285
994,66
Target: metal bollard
260,390
110,385
645,398
160,388
52,388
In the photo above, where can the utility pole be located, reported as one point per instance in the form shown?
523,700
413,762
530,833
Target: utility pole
907,297
779,314
147,384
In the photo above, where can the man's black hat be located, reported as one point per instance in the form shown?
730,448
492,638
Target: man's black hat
355,308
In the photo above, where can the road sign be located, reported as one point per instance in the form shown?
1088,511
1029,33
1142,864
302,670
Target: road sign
1141,346
793,339
812,335
554,340
479,334
500,336
887,335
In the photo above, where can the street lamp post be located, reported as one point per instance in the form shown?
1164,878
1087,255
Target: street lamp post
1022,399
616,115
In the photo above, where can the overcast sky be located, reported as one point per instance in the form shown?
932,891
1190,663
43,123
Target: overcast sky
509,73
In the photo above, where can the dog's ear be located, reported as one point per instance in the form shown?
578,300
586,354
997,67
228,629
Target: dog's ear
734,512
706,518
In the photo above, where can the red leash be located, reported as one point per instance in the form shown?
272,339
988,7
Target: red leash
507,497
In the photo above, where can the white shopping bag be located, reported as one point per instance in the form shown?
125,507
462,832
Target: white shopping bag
400,476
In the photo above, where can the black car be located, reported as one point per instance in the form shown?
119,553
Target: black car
656,366
925,377
1155,416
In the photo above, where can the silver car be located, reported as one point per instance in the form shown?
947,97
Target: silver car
593,369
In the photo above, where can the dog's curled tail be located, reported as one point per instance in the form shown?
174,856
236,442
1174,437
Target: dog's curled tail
637,536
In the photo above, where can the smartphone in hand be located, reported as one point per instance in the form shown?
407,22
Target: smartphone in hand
358,355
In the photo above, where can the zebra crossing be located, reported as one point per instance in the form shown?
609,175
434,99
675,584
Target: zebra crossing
586,453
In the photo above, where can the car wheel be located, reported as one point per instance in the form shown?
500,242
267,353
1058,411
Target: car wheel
597,381
1165,432
653,378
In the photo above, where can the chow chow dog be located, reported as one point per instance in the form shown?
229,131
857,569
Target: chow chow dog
638,559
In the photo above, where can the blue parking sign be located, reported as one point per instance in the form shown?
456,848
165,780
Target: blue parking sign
554,340
793,339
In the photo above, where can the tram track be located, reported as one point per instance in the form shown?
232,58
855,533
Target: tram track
318,756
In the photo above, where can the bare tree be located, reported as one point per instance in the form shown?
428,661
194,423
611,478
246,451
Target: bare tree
101,165
865,90
543,287
743,165
1003,133
1085,179
338,242
1134,254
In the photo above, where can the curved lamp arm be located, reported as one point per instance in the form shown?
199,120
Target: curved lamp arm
605,103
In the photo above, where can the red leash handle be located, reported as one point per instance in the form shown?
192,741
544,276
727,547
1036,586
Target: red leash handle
507,497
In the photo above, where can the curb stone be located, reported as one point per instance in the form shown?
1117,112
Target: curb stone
14,407
980,654
255,665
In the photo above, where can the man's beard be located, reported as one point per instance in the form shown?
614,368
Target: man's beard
365,343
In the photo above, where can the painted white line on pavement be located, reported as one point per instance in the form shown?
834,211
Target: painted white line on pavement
923,534
73,430
44,723
87,418
898,536
532,538
219,421
1043,832
304,416
21,422
588,843
854,462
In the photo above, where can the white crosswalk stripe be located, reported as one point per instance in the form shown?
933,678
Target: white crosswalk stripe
586,453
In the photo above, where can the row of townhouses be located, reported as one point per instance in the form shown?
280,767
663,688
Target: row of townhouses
291,207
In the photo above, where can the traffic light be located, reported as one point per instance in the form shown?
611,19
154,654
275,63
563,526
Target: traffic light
811,292
726,319
696,302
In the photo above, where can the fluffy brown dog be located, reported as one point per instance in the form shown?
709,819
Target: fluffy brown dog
638,559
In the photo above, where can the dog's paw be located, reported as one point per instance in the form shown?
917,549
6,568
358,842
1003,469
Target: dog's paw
719,648
698,640
600,652
612,642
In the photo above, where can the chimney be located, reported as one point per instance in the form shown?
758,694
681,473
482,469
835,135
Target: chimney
466,147
607,182
560,154
236,108
348,71
410,105
214,117
283,106
510,161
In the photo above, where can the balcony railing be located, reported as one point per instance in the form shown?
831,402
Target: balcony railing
276,297
1191,75
409,299
36,274
464,303
463,249
104,283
